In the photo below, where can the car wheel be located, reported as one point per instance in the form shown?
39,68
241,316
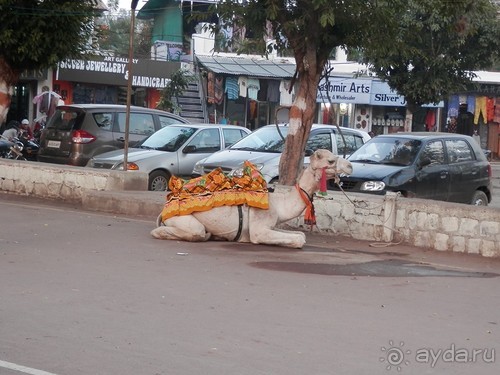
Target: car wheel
158,181
479,199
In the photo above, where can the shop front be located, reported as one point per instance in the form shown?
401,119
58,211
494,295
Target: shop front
247,91
476,112
104,80
371,105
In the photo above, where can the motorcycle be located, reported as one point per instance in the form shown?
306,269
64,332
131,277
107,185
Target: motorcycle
30,147
20,148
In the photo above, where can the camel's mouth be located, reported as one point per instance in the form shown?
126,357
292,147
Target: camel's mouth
340,168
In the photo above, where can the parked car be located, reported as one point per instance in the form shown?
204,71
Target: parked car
77,132
440,166
172,150
264,147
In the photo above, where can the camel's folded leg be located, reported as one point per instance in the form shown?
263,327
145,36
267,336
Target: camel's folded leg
263,235
186,228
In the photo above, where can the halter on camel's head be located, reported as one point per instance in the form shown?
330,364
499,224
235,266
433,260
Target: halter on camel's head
326,165
323,165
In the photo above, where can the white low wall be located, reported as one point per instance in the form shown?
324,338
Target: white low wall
436,225
64,182
423,223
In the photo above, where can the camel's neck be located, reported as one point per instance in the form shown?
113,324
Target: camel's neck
307,181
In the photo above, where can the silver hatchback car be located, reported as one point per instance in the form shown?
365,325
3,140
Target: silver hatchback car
264,147
172,150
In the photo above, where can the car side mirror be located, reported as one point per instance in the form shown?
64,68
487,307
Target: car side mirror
189,149
309,152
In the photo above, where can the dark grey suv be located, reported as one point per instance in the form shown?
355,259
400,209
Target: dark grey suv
77,132
440,166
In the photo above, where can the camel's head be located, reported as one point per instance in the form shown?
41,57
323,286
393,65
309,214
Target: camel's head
334,165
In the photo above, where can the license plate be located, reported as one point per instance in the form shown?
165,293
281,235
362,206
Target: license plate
54,144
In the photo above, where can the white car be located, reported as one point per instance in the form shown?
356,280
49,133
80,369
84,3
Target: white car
264,147
172,150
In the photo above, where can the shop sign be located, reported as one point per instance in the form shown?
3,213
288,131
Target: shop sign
114,71
344,90
34,74
382,94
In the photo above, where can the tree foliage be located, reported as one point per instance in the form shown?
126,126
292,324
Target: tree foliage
434,47
179,82
423,48
39,34
116,35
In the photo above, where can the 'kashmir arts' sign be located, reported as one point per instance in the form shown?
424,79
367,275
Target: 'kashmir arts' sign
114,71
344,90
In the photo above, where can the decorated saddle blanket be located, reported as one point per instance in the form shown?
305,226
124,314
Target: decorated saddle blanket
216,189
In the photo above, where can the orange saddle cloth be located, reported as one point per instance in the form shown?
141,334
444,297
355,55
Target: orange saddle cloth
215,189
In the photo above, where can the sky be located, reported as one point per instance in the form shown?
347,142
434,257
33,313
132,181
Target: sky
125,4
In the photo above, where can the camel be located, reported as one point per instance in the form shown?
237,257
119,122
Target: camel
255,225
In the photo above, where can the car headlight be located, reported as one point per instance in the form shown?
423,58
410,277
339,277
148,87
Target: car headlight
131,166
198,169
238,172
372,186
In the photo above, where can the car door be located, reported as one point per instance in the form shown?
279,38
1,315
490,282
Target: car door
231,136
204,143
141,125
319,140
432,175
463,170
347,143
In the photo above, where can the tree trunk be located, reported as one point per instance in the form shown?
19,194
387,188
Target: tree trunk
301,119
8,78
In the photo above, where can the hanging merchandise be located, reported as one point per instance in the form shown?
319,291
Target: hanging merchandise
211,87
430,120
480,109
262,95
253,88
273,91
243,84
496,115
219,89
286,93
232,89
453,105
490,109
471,103
252,109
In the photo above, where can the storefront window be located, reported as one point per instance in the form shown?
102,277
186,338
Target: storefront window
388,120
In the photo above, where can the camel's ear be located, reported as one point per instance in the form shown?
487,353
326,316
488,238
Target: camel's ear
315,155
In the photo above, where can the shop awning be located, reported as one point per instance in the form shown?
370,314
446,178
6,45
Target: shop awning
248,66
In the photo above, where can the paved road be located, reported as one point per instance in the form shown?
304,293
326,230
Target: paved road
84,293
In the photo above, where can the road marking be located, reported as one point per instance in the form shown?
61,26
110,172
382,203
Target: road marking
26,370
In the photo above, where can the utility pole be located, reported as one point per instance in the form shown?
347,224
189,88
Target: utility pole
133,6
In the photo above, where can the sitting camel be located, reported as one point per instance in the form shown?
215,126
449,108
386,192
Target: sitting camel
255,225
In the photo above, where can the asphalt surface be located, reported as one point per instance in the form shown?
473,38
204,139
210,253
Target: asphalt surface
91,293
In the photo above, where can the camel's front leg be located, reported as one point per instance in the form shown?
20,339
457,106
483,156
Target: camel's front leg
260,234
186,228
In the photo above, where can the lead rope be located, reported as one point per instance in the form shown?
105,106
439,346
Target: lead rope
309,214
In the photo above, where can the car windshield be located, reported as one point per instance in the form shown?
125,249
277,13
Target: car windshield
385,150
266,139
170,138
